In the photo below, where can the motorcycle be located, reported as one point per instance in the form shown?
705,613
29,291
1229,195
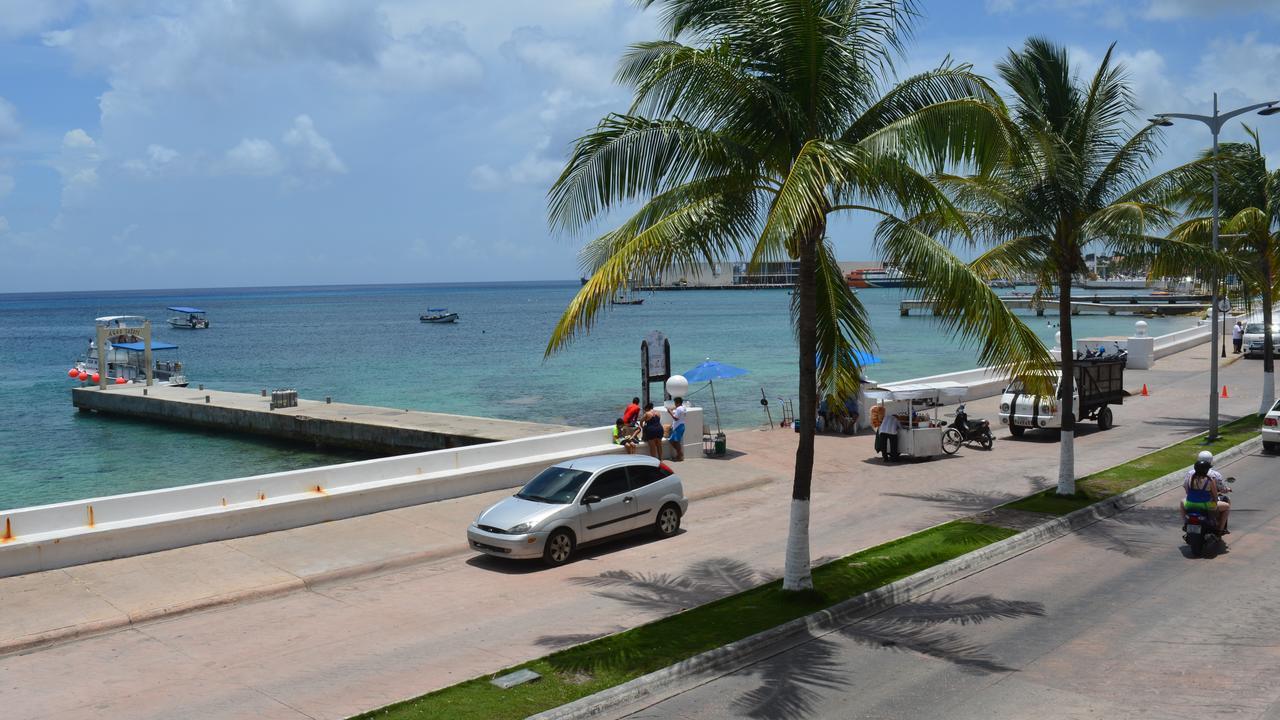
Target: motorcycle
964,431
1201,529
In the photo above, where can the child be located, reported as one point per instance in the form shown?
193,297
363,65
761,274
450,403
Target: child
624,436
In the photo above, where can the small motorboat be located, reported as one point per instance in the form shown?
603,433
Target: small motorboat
194,318
438,316
626,301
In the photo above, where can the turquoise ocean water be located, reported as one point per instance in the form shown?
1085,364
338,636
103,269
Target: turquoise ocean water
364,344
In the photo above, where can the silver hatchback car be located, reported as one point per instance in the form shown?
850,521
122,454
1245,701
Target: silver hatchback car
581,502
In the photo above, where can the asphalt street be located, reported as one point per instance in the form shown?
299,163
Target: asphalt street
1117,620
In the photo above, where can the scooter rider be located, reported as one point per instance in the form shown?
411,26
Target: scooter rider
1206,490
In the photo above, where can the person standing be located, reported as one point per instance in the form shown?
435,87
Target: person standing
888,436
677,430
632,413
651,429
1237,336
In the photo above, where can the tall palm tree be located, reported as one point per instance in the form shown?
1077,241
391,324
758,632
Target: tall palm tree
754,121
1249,203
1071,183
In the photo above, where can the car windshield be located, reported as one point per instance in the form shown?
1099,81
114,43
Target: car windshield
1017,387
1253,328
556,485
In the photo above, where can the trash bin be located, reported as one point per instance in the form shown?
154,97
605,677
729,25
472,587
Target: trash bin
721,444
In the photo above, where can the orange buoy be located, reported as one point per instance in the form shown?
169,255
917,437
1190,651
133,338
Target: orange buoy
83,375
95,377
121,381
73,372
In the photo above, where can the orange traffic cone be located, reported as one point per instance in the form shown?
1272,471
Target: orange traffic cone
1224,391
1144,390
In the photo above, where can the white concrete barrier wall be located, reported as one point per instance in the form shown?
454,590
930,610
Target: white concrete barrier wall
52,536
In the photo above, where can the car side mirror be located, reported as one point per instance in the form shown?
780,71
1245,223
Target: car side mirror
590,499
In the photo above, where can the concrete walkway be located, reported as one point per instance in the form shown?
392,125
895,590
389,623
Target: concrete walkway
337,618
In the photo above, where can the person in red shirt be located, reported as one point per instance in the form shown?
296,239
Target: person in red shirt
632,413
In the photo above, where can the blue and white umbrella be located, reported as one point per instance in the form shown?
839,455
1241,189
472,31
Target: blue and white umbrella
709,371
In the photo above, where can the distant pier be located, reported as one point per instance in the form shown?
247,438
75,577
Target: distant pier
315,422
1094,304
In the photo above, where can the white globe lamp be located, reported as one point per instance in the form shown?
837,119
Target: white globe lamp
1140,328
677,386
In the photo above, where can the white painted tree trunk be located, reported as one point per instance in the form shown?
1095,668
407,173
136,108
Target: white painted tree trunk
1067,463
796,576
1268,392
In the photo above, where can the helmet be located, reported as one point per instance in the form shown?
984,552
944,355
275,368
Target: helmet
1201,468
1205,457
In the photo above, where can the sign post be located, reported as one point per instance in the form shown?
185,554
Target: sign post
655,363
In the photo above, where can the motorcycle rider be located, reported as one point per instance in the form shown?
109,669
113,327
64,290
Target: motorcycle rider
1206,490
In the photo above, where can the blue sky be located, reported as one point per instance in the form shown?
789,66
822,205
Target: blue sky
157,143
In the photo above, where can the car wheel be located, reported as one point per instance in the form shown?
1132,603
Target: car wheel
951,441
1104,418
668,521
1016,430
559,548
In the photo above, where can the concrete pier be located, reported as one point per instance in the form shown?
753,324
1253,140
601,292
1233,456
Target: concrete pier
1118,306
362,427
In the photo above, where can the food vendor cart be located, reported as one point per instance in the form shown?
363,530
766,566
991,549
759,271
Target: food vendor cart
921,434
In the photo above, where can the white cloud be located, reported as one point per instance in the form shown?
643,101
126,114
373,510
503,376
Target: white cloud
313,152
4,225
1178,9
1246,66
77,138
77,162
560,58
158,159
254,156
6,185
9,126
22,17
535,168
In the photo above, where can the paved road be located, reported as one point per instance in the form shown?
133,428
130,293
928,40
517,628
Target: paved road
338,648
1115,621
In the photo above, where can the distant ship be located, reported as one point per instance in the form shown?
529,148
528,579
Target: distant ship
878,277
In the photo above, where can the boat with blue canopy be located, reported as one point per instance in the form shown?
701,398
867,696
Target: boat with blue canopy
125,354
438,316
191,319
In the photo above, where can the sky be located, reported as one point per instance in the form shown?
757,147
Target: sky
218,143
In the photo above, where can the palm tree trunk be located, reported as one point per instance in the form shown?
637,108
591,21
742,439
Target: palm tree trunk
1268,345
1066,445
796,574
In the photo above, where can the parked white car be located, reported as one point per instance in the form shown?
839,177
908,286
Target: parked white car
1252,340
1271,429
581,502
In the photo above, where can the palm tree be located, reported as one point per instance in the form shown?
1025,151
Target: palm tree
752,123
1071,182
1249,200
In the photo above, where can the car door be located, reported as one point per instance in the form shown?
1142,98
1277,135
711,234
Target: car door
615,509
647,491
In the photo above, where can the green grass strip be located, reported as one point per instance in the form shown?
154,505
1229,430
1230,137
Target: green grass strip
609,661
1118,479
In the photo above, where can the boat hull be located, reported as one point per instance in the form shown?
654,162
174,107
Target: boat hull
439,319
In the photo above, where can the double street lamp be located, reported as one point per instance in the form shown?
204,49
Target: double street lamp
1215,123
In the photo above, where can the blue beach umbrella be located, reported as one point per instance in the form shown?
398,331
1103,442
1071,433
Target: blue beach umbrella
709,371
862,357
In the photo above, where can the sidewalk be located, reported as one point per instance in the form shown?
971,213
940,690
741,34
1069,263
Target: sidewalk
345,616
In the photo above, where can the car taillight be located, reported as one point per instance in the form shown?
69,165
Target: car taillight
1269,422
665,468
1193,520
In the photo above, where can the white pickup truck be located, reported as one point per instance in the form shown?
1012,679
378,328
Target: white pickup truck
1099,384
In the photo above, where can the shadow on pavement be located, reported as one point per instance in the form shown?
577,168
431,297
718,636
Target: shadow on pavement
791,683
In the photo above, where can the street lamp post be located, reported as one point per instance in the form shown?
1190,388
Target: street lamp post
1215,123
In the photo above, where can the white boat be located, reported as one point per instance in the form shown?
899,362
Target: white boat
879,277
1001,283
125,355
194,318
438,316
